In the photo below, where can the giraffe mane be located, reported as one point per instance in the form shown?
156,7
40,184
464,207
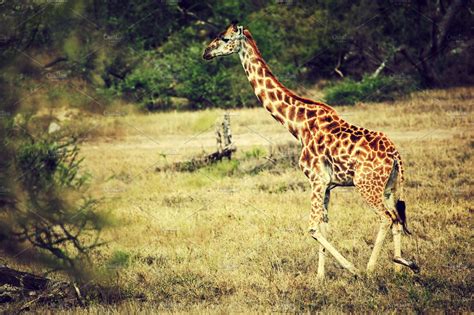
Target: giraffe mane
259,59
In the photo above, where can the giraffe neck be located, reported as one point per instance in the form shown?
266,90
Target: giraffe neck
274,96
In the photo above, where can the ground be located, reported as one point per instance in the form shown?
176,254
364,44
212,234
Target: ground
233,237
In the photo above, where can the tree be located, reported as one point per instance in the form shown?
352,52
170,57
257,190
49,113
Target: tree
447,19
44,204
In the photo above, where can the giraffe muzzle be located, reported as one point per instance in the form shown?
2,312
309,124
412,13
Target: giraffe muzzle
206,55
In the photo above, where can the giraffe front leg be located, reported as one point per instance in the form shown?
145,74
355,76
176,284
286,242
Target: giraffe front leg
323,227
340,259
318,231
322,253
318,218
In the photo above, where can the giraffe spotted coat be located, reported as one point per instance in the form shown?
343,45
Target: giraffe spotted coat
334,152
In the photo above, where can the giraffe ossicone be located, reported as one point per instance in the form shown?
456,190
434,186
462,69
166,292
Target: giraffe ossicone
334,152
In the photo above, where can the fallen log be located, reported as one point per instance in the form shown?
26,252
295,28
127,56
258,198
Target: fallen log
24,280
20,291
199,162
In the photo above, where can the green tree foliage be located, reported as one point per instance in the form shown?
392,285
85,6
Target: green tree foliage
149,51
369,89
44,199
164,76
46,213
304,41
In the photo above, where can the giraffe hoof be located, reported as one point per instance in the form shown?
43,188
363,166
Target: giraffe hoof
410,264
355,272
370,272
414,267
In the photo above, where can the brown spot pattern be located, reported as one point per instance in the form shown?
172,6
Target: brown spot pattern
330,146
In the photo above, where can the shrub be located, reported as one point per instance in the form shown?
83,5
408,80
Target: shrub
45,203
119,259
369,89
186,81
177,77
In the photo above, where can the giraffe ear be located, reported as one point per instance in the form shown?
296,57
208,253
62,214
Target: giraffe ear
240,30
234,25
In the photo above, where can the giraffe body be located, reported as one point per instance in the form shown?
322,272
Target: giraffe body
334,152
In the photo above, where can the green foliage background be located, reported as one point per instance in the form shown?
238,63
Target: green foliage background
149,52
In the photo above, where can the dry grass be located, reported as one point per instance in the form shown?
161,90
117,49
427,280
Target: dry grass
231,238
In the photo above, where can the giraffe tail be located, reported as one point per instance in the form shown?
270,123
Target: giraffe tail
401,207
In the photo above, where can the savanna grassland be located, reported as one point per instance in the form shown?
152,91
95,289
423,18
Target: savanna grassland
232,237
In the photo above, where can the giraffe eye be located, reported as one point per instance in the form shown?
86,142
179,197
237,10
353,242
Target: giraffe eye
225,40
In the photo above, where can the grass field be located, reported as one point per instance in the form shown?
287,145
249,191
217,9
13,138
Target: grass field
233,237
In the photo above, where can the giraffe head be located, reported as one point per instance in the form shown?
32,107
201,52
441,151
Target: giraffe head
226,43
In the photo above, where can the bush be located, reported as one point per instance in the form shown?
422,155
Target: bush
369,89
167,80
44,201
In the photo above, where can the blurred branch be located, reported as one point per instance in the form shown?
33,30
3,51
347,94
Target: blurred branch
116,75
336,69
187,12
384,62
407,56
55,61
51,214
26,290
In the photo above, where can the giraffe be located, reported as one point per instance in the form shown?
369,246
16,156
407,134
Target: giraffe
334,152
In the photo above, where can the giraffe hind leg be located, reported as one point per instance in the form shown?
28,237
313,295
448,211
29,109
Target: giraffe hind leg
398,207
397,254
373,189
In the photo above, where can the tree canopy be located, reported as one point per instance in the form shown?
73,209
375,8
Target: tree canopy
149,51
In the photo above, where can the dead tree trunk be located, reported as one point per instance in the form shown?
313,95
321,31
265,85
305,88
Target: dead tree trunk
225,146
224,134
225,149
